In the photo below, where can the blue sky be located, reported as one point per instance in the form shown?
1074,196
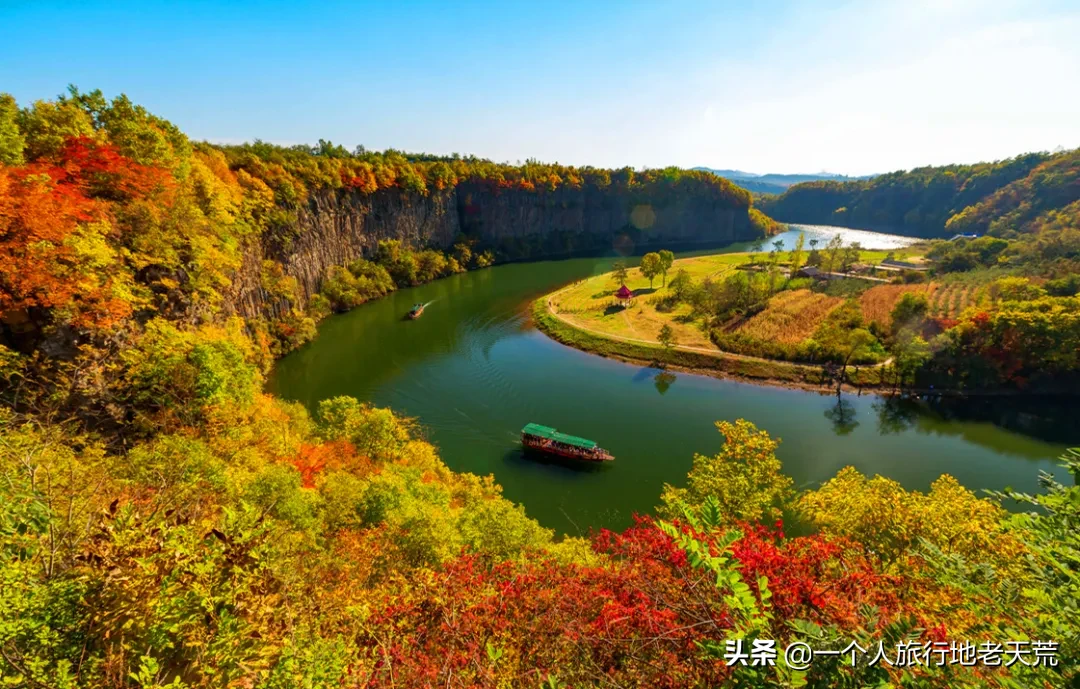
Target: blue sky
773,86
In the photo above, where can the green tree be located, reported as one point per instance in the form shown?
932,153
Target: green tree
619,272
667,259
682,285
910,310
850,256
398,260
1015,289
666,337
46,126
11,139
1051,531
375,432
909,351
797,254
831,260
651,266
842,338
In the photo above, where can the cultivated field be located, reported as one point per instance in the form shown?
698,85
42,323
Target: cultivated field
949,301
790,317
877,302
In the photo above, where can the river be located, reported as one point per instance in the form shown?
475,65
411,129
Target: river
474,370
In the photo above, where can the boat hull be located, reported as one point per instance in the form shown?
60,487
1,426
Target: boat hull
551,450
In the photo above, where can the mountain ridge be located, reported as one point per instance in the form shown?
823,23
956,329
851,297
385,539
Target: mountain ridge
777,183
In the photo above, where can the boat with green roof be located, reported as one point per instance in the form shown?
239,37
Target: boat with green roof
547,440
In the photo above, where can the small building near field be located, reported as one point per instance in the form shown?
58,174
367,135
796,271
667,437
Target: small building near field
624,297
893,264
809,272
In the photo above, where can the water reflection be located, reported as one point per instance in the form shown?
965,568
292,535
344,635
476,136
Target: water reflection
663,381
895,415
474,371
842,416
1050,419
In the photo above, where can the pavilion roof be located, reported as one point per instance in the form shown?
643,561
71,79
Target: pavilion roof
624,293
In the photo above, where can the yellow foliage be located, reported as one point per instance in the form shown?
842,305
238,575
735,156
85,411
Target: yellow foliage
745,477
889,520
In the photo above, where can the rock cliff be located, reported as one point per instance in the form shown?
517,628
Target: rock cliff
338,226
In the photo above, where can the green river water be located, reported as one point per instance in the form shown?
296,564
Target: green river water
474,370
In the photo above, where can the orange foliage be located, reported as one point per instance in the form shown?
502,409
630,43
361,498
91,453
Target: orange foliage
312,460
44,263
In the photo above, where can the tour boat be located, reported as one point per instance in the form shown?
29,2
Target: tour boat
417,309
549,441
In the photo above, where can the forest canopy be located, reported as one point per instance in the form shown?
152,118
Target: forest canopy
164,522
1025,194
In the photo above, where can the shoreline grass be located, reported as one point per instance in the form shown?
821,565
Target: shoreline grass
720,364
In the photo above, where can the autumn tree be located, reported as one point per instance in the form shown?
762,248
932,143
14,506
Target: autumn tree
745,478
57,248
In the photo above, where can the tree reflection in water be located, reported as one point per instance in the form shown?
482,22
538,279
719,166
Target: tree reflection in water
663,381
842,416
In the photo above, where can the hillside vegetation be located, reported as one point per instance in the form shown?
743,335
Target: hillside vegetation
1022,195
166,523
980,317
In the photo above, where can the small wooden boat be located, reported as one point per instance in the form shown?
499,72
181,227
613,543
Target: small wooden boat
549,441
417,309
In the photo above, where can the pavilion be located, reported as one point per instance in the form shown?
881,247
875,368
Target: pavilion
624,297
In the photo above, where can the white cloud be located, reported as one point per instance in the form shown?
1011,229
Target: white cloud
901,86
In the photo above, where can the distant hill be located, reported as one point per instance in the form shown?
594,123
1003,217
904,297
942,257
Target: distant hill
774,183
1028,194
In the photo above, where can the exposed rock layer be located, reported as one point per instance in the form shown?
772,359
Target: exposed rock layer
336,227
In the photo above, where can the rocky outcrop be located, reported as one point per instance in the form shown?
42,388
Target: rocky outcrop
506,218
338,226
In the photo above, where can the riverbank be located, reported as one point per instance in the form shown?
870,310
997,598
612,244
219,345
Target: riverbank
584,315
715,363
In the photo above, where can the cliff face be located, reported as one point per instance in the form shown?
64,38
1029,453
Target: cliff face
522,224
336,227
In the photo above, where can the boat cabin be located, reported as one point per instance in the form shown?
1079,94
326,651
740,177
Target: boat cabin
550,441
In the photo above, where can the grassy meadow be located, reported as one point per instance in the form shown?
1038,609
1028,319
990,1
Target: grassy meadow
790,316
